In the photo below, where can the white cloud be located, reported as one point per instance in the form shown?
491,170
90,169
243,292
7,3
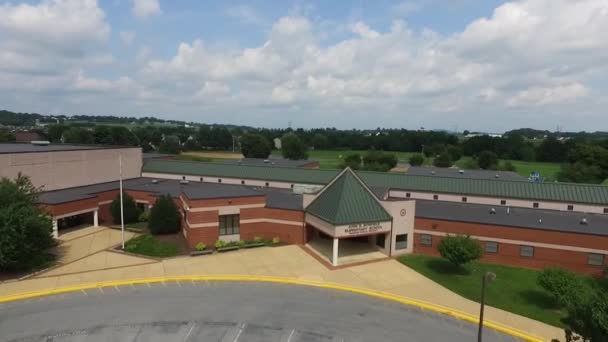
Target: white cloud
538,96
146,8
127,37
406,8
543,57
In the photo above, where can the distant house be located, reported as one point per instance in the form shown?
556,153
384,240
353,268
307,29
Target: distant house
27,137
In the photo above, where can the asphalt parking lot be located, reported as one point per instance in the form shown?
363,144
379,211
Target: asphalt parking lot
226,311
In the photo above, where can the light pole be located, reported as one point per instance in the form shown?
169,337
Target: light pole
487,277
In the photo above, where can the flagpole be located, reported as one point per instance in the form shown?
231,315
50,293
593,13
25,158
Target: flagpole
122,216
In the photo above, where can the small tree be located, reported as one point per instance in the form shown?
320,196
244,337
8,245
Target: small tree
564,286
459,249
255,146
170,145
130,210
487,160
352,160
319,141
164,216
416,160
443,160
292,147
25,230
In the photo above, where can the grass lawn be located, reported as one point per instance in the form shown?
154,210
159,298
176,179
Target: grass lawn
139,226
605,181
331,159
150,246
514,290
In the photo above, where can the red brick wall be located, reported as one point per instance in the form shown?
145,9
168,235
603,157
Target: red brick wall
268,230
206,235
509,253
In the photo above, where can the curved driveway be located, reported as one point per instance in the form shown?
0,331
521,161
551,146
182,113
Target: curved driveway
226,311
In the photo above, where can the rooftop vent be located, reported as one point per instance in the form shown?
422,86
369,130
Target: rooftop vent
461,172
540,220
584,221
183,181
496,176
492,211
432,172
272,163
155,181
266,161
40,142
508,210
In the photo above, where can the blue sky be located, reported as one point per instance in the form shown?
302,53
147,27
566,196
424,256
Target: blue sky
465,64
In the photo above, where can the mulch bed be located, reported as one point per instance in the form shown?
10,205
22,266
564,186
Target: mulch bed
177,239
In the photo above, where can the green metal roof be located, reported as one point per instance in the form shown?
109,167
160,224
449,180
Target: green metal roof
346,201
562,192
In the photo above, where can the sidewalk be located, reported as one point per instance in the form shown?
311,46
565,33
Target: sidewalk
288,261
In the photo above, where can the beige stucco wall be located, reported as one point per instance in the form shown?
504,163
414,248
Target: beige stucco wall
64,169
402,224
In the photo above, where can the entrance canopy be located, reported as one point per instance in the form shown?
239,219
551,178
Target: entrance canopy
346,207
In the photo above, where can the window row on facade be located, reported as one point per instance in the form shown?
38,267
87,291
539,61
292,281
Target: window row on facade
492,247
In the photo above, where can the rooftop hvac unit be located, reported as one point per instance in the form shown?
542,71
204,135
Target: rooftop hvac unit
461,172
155,181
40,142
266,161
492,211
584,221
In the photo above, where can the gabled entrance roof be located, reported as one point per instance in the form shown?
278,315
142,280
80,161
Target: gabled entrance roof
347,200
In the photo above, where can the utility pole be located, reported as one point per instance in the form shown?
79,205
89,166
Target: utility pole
122,215
487,277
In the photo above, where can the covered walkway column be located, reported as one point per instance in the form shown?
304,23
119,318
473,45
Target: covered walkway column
334,257
55,228
96,218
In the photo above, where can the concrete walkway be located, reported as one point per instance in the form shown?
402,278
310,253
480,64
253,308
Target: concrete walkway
288,261
80,243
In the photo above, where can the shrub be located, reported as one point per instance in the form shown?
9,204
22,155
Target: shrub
164,216
144,216
200,246
241,243
255,146
564,286
507,166
130,210
353,161
416,160
25,229
459,249
487,160
443,160
276,240
220,244
257,239
292,147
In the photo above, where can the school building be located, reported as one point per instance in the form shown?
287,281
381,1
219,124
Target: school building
342,214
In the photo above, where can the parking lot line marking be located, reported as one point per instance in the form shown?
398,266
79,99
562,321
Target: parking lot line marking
291,335
239,333
189,332
288,281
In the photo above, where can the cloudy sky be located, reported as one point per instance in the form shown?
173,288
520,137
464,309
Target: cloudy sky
453,64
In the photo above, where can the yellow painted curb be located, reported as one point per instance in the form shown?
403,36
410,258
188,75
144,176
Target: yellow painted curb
371,293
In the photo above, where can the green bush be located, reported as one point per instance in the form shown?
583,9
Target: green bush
443,160
144,216
241,243
130,209
564,286
487,160
459,249
255,146
416,160
164,216
257,239
200,247
220,244
25,229
148,245
276,240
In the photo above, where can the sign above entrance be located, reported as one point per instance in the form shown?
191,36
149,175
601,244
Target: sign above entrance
362,229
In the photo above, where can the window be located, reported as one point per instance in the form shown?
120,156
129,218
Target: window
435,197
267,184
401,241
292,186
526,251
201,179
491,247
605,210
229,224
464,199
503,202
183,177
595,259
570,207
535,205
426,239
243,182
219,180
408,195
